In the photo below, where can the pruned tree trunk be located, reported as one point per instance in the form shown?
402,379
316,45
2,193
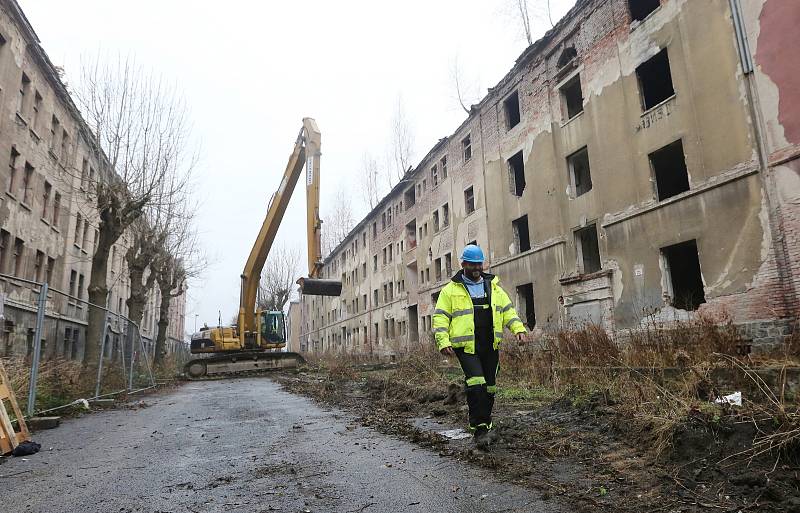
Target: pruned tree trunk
171,279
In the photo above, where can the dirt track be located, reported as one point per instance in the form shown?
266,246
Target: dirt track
243,445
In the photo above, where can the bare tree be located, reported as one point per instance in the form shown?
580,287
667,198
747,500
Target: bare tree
171,277
278,279
525,16
337,223
370,180
401,145
141,129
465,95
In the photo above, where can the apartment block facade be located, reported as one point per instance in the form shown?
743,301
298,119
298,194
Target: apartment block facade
639,162
48,224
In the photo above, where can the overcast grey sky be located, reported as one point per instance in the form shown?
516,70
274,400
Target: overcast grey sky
251,70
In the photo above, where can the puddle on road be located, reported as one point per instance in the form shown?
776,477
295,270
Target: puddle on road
447,431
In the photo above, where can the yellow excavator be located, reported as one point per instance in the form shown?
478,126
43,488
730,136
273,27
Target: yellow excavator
255,342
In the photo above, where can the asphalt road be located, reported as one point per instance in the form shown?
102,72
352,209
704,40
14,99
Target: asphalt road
242,445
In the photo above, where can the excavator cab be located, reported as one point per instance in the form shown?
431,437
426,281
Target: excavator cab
273,327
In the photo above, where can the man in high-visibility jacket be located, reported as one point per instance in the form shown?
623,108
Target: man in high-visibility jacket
471,313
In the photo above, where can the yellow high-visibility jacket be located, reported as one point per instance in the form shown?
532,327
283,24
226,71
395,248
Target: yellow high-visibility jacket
454,320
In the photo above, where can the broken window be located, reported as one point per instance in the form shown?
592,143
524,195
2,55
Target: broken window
374,263
526,305
641,9
57,211
469,201
443,165
46,198
579,175
26,182
438,269
445,215
411,234
435,221
383,221
51,264
572,97
567,56
37,107
38,266
5,238
588,249
435,175
24,90
685,280
12,165
54,126
19,249
522,238
448,264
511,108
655,80
410,198
669,168
375,230
466,147
516,174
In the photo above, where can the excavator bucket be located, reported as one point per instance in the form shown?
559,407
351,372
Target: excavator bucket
317,287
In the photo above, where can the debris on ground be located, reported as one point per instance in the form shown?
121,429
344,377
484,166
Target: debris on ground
26,449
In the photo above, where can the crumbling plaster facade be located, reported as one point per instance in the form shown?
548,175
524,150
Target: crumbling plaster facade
50,212
739,134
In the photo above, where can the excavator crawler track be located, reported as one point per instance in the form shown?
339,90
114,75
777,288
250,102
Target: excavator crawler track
240,364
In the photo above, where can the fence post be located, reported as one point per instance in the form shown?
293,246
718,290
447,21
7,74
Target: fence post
37,348
102,349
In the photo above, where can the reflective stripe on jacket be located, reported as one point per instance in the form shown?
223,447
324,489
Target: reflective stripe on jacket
454,321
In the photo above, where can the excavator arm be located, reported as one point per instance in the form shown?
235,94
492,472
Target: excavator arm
306,154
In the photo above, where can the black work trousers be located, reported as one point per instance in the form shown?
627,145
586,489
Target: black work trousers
480,392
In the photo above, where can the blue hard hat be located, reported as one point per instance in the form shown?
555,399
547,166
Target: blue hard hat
472,253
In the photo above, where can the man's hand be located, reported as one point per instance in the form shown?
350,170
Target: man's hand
522,338
448,351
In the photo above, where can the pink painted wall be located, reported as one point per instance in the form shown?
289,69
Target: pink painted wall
778,56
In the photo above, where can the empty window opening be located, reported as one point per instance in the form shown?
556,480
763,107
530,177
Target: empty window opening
655,80
410,198
435,221
434,175
469,201
641,9
685,281
579,173
588,249
443,165
511,108
445,215
411,234
438,269
466,147
567,56
669,168
572,97
526,305
516,174
522,238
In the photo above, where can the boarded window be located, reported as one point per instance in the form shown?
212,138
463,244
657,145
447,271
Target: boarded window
641,9
579,173
572,97
669,168
511,108
516,174
588,249
683,268
522,238
655,80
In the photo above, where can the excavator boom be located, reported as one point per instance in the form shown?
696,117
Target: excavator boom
241,348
